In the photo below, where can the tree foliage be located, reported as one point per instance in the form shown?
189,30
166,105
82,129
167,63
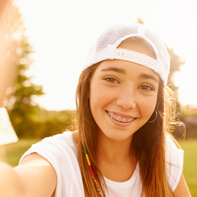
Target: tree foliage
21,105
48,123
175,62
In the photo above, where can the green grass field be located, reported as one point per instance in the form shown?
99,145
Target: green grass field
190,164
12,153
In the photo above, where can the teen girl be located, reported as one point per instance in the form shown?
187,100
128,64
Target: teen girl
122,146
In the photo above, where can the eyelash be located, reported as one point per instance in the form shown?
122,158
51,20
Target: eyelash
111,79
147,87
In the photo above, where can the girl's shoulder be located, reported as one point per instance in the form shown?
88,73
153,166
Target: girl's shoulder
56,146
61,151
62,140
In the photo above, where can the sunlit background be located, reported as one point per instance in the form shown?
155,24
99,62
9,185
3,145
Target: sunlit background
61,33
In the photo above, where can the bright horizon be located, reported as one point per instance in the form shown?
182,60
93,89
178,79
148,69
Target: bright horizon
61,33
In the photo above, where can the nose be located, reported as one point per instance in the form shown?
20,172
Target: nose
127,97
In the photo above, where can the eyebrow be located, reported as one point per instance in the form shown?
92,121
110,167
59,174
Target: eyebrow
122,71
147,76
118,70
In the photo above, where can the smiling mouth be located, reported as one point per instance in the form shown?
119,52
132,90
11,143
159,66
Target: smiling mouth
119,119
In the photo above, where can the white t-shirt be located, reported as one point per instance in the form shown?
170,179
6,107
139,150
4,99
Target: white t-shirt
61,151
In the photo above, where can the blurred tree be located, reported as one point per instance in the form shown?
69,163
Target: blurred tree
21,106
48,123
175,63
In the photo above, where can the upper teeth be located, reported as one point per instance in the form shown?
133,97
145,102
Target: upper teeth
120,119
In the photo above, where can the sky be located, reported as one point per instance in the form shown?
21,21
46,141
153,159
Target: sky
62,31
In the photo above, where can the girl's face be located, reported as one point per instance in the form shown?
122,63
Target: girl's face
123,96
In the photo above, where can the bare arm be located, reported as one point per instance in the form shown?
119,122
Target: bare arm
33,177
9,182
182,189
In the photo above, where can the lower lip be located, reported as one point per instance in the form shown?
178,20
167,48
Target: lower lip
122,124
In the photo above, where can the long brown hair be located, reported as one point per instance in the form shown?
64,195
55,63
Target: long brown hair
148,143
88,129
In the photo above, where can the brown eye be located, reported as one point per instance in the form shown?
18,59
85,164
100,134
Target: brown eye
147,87
111,80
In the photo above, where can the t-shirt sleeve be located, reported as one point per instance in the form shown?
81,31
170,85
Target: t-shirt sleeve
174,163
56,151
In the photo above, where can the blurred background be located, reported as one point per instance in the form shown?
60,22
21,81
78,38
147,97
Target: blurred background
43,46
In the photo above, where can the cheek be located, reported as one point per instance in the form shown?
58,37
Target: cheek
95,97
97,100
99,94
147,106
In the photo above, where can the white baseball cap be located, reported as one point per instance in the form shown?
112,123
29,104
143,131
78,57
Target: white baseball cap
106,48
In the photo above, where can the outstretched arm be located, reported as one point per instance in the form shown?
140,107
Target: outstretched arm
33,177
10,182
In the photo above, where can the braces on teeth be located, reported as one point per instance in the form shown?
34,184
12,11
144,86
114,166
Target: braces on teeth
119,119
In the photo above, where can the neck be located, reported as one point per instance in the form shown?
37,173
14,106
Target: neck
116,159
114,152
